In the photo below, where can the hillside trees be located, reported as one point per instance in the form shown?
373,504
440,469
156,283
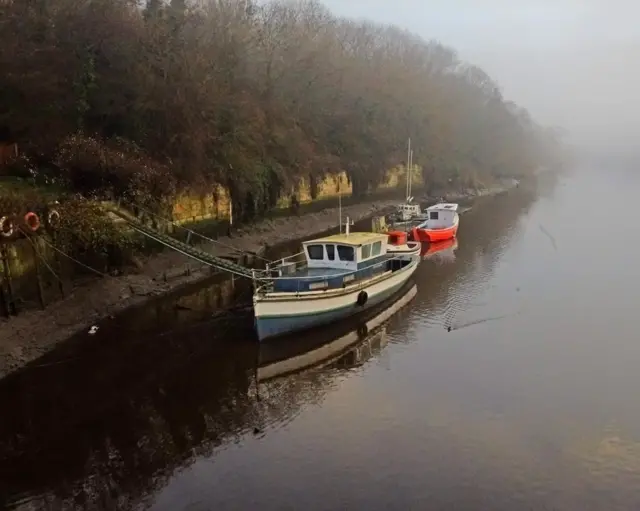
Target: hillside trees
249,95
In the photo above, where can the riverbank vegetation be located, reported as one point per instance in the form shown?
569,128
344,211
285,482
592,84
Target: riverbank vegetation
118,98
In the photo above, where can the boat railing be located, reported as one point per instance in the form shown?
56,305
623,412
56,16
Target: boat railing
295,258
265,281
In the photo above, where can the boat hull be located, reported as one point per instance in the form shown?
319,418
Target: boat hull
278,317
434,235
426,235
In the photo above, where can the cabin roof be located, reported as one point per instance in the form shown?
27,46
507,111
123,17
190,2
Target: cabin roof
443,206
355,239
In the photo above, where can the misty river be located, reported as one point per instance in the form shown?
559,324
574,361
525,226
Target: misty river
528,402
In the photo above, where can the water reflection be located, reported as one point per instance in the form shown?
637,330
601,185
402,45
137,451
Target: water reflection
129,414
350,346
440,251
105,424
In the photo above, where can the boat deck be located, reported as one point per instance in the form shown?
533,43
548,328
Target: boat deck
313,279
317,272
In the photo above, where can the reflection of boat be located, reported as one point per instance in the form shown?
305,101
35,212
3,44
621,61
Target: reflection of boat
286,356
441,224
341,275
440,249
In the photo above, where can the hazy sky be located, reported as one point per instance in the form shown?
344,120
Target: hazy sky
574,63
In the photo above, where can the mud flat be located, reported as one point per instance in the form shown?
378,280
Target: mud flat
27,336
31,334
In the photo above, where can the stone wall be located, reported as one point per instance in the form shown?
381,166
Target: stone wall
216,205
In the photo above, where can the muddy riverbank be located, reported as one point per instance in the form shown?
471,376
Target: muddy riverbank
33,333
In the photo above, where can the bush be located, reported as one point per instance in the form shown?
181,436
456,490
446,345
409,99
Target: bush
88,234
113,169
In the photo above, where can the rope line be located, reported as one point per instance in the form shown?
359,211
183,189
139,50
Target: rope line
222,244
97,272
202,261
35,248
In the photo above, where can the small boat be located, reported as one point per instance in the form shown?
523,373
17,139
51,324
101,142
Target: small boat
441,224
332,278
399,246
407,211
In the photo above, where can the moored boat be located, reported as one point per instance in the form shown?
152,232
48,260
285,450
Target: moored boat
332,278
400,247
441,224
407,211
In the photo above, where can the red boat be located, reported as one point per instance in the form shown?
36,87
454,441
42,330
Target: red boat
441,224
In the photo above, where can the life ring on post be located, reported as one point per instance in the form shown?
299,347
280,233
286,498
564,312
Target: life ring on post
32,221
7,227
53,219
362,298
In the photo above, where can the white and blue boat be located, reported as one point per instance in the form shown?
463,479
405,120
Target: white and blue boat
332,278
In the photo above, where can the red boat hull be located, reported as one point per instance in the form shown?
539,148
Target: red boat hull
434,235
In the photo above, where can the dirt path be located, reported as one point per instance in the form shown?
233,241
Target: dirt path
33,333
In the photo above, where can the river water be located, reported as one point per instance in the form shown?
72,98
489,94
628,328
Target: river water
528,402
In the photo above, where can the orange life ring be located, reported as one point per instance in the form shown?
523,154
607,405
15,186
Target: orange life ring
7,227
32,221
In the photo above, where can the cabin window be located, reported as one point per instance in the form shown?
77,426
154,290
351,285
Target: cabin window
331,252
316,252
366,251
433,215
377,248
346,253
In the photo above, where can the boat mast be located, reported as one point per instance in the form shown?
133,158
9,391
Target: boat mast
408,163
410,177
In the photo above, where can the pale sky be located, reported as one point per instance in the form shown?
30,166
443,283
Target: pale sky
574,63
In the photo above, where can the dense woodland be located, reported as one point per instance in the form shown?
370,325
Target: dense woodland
117,97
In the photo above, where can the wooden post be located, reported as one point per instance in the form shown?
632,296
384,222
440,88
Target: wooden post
7,276
4,301
58,265
36,256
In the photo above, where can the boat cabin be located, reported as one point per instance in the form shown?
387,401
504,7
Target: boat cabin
440,216
335,261
345,251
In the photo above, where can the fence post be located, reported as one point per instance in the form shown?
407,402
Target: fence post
4,302
36,257
7,276
58,265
